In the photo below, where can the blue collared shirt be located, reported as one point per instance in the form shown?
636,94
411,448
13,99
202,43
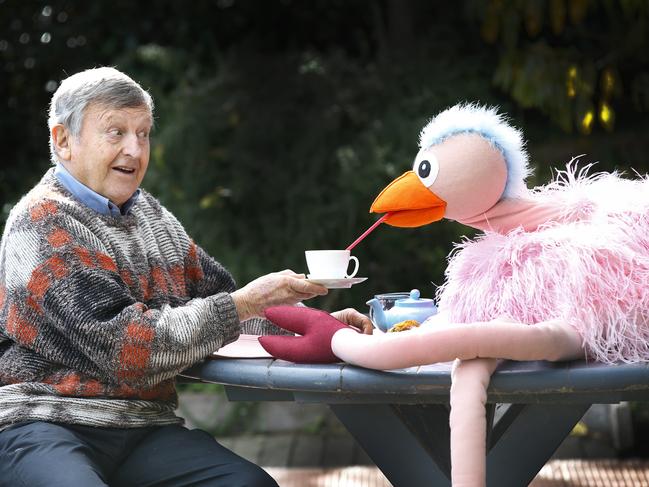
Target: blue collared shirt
89,197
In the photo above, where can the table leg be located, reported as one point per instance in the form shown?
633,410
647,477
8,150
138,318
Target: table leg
409,443
525,438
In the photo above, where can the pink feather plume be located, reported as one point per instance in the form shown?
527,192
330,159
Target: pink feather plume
591,270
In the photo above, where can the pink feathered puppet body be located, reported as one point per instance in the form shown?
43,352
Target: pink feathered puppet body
561,272
588,267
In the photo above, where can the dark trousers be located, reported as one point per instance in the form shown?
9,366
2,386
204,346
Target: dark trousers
54,455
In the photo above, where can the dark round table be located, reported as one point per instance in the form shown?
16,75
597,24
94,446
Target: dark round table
400,417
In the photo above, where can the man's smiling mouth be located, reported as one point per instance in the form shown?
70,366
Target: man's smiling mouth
125,170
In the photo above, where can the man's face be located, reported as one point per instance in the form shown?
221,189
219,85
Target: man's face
111,153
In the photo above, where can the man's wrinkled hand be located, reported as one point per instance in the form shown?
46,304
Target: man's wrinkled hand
353,318
275,289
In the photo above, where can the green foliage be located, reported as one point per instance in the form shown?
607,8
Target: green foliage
267,158
278,122
571,59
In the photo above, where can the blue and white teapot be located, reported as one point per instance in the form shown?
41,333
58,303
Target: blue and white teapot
411,308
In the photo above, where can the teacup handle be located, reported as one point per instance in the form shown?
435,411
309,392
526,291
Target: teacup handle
351,257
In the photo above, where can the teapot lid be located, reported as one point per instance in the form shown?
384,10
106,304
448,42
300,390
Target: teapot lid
414,300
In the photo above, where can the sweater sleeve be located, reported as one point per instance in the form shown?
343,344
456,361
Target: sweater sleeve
210,277
70,304
211,281
262,326
209,285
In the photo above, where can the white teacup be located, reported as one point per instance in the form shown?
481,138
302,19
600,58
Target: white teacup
330,264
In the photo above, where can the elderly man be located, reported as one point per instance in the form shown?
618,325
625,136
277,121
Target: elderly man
104,299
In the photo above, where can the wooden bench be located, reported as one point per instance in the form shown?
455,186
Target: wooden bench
400,418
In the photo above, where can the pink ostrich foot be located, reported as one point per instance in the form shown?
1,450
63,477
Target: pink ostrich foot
468,421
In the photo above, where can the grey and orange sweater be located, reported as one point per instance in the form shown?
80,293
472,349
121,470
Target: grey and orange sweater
98,314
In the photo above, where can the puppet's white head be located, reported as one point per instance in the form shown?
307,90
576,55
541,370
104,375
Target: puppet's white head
469,159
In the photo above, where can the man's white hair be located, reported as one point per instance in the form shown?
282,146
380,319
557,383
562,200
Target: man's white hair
103,86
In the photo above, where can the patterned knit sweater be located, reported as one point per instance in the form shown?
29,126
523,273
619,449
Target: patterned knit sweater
98,314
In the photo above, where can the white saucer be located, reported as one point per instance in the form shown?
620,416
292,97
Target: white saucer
341,283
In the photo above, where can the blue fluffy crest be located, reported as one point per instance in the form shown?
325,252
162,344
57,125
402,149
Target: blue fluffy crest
494,127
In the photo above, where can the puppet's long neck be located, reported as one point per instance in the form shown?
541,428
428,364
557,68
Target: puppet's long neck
508,214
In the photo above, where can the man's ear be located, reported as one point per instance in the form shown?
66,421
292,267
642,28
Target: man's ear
61,139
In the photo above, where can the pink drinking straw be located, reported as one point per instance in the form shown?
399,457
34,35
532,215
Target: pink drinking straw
367,232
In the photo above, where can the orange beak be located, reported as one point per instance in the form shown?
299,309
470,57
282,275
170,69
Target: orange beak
409,203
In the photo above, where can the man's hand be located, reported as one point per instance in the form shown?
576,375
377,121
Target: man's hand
275,289
353,318
316,327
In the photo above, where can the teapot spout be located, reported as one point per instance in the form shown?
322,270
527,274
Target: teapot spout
376,313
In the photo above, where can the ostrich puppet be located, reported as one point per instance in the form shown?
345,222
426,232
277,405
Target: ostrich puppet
560,272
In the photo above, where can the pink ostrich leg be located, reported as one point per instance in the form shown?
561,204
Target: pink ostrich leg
468,420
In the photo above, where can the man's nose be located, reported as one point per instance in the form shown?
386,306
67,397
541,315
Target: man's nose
133,146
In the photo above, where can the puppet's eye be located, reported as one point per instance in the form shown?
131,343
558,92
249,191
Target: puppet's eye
426,169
